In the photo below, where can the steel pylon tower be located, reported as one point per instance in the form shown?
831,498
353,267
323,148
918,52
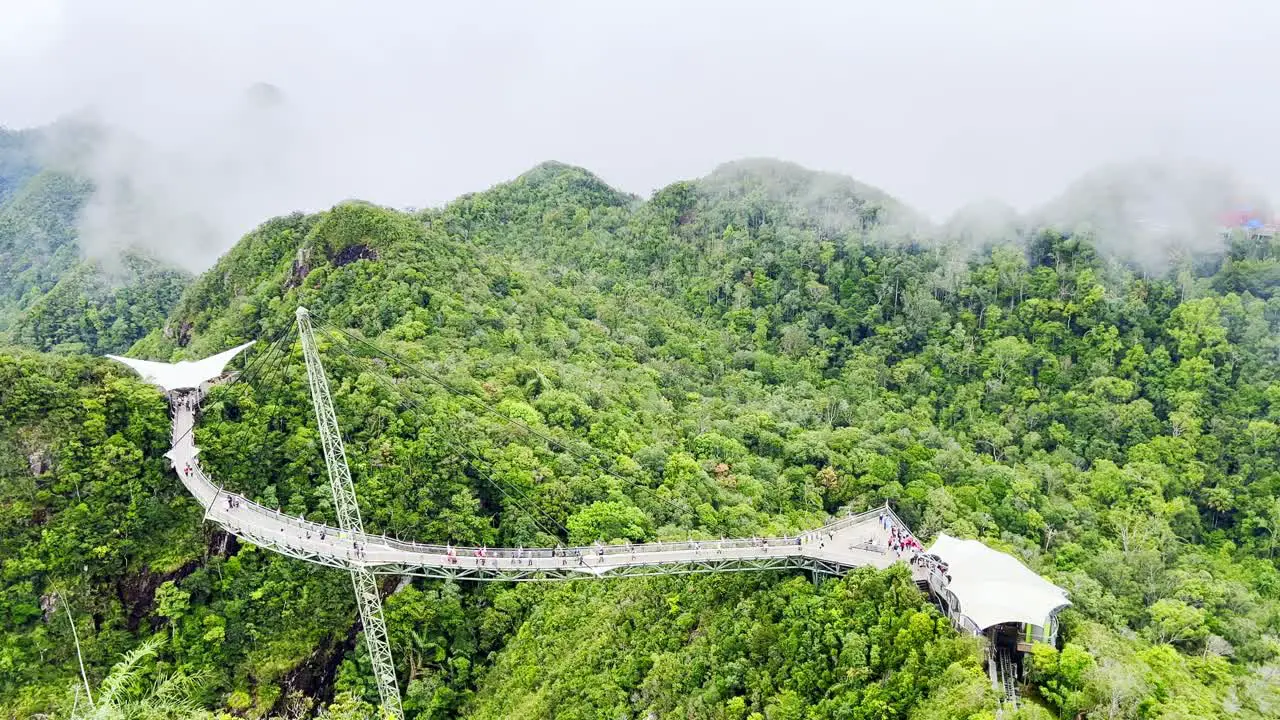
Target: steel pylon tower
344,500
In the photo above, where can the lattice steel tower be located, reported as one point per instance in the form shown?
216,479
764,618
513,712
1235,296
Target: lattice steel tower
344,500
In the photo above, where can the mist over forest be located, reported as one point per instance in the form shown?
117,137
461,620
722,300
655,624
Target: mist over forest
614,279
236,113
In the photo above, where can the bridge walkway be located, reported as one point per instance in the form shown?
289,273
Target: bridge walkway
846,543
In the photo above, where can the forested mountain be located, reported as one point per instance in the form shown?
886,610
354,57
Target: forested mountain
743,354
51,298
17,160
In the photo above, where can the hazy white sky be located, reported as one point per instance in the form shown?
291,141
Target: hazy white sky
413,103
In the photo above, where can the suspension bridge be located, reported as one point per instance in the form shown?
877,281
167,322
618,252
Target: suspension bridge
845,543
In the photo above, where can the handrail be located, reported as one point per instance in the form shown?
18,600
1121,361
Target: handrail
211,494
367,539
894,516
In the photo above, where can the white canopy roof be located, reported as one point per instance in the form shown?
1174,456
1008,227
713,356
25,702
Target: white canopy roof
184,374
994,587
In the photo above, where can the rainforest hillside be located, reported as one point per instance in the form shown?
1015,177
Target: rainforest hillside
740,354
51,297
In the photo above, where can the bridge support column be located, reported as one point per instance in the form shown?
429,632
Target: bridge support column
368,599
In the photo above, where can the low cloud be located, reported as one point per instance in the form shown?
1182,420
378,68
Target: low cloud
186,199
1150,211
417,103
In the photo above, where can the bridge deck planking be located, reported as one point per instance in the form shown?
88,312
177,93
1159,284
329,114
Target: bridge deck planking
846,543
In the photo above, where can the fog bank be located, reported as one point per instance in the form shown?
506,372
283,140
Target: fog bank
414,104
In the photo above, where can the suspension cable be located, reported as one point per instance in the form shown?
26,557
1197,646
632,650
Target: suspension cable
250,367
273,367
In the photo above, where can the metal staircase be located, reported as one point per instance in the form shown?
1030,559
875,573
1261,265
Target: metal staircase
1008,680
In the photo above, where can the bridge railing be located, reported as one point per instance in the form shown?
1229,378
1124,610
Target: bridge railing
844,521
365,539
602,550
902,525
637,548
961,622
277,517
270,518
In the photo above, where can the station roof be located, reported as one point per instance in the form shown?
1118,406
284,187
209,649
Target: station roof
995,587
184,374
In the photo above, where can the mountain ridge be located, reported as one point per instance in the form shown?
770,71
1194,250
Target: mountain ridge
739,365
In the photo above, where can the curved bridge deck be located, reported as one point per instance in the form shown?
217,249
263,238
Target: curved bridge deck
846,543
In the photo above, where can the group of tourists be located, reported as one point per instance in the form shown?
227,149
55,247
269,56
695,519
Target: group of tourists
900,539
187,400
480,553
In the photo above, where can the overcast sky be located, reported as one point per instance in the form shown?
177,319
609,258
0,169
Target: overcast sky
414,103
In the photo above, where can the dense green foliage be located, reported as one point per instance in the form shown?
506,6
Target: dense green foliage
87,503
51,298
37,229
723,646
745,353
91,311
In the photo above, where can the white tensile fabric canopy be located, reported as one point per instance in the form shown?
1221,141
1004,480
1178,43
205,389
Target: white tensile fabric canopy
182,375
994,587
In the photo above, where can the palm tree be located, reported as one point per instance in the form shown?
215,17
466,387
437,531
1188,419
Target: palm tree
128,693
